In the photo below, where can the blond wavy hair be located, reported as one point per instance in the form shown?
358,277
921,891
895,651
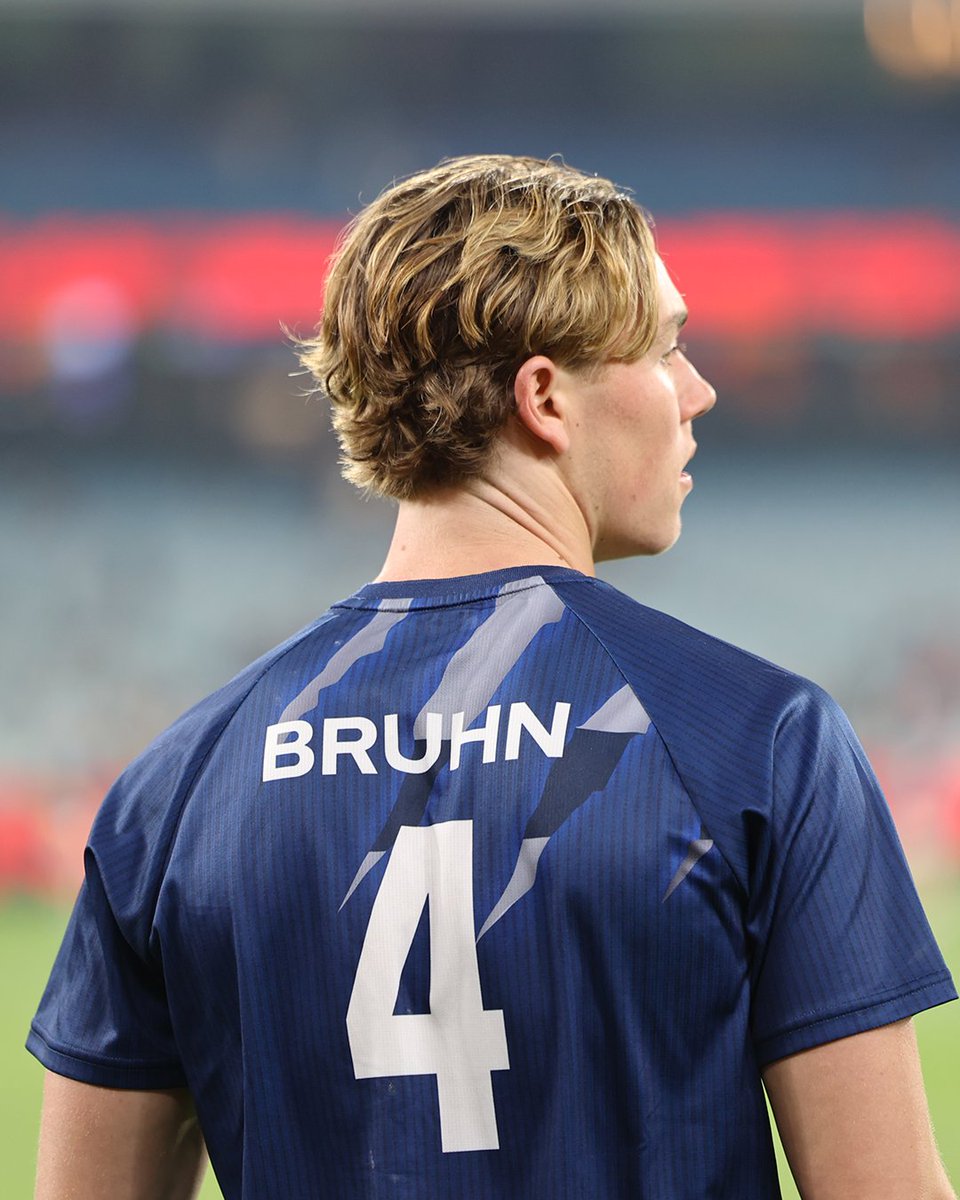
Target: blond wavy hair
444,285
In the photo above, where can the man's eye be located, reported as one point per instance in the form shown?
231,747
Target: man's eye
681,346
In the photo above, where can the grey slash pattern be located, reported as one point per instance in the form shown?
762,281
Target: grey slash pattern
698,848
369,640
471,677
477,669
596,748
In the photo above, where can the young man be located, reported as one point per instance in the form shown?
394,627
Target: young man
493,883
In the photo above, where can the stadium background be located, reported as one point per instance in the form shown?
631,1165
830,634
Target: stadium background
173,175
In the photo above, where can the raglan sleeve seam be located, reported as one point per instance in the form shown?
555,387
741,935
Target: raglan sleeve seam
195,775
683,783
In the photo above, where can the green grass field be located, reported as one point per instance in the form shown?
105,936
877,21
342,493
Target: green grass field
29,934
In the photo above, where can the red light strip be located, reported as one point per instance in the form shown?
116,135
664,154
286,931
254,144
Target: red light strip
849,274
237,278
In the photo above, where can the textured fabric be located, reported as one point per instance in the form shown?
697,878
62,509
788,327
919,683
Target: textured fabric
496,887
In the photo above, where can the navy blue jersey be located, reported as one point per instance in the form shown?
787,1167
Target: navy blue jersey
494,887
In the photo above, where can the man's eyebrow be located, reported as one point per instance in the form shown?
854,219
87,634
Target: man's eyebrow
677,320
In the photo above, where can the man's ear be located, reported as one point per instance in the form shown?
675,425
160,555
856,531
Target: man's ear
542,408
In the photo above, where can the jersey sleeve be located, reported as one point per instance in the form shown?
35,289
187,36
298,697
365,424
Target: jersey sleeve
103,1018
841,942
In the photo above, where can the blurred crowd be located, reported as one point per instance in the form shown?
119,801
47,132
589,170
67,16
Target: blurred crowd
171,189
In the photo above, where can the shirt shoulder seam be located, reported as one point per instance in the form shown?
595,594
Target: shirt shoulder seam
228,719
613,658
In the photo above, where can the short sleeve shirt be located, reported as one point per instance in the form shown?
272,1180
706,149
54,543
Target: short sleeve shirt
499,886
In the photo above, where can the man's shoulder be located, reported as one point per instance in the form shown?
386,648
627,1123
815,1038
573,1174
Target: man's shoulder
685,665
205,721
734,724
162,774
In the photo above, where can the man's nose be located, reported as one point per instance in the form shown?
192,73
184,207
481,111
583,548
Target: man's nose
703,395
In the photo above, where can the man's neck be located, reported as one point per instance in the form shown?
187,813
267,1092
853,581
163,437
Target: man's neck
485,526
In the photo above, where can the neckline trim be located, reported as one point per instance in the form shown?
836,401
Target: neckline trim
458,588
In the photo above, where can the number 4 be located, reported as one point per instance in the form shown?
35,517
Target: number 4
459,1040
